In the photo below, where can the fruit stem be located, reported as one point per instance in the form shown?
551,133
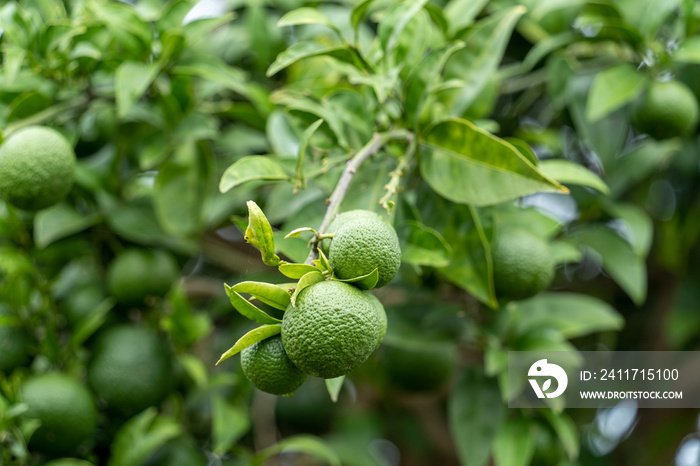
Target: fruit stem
372,147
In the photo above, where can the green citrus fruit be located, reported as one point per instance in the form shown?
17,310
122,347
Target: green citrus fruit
419,365
37,166
81,302
137,274
130,369
666,110
267,366
381,317
15,343
333,329
65,408
362,245
522,264
344,218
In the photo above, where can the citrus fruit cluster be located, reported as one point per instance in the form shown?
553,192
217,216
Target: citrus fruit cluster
332,323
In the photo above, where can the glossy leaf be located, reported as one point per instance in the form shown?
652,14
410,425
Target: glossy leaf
515,443
131,81
295,233
635,226
140,436
60,221
333,386
305,140
564,251
364,282
422,245
468,165
566,430
567,172
272,295
475,414
461,13
229,423
395,22
296,271
688,51
249,339
572,314
259,234
249,310
310,278
252,168
302,443
359,11
613,88
306,15
302,50
618,260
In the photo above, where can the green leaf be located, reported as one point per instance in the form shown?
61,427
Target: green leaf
566,430
305,140
422,245
647,16
229,423
302,50
298,231
564,251
475,413
60,221
618,260
91,323
131,81
359,11
635,225
306,281
333,386
514,444
461,13
572,314
296,271
140,436
479,61
303,443
249,310
252,168
567,172
468,165
613,88
259,234
364,282
270,294
639,162
306,15
395,21
524,149
324,263
249,339
471,267
688,51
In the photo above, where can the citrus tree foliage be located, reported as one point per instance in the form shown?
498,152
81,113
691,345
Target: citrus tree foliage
197,128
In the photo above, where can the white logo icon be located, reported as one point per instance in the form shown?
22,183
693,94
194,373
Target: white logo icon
544,369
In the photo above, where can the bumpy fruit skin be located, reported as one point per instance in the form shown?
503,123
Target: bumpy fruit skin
267,366
37,167
65,408
522,264
130,369
332,330
419,366
15,343
362,245
138,273
666,110
344,218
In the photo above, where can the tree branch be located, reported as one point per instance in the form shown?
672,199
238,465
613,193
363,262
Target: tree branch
377,142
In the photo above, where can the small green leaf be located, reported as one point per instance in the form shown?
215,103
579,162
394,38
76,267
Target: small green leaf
324,263
305,140
613,88
395,22
461,13
60,221
475,413
140,436
524,149
468,165
567,172
90,323
514,444
131,81
333,386
359,11
422,245
270,294
296,271
254,167
303,443
365,282
249,310
229,423
572,314
302,50
298,231
567,432
251,338
635,225
688,51
563,252
259,234
306,281
306,15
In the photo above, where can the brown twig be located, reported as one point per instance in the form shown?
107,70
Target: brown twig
377,142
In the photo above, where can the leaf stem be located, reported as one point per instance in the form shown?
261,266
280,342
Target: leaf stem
395,176
372,147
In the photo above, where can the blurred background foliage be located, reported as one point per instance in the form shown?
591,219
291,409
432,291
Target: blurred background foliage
160,98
